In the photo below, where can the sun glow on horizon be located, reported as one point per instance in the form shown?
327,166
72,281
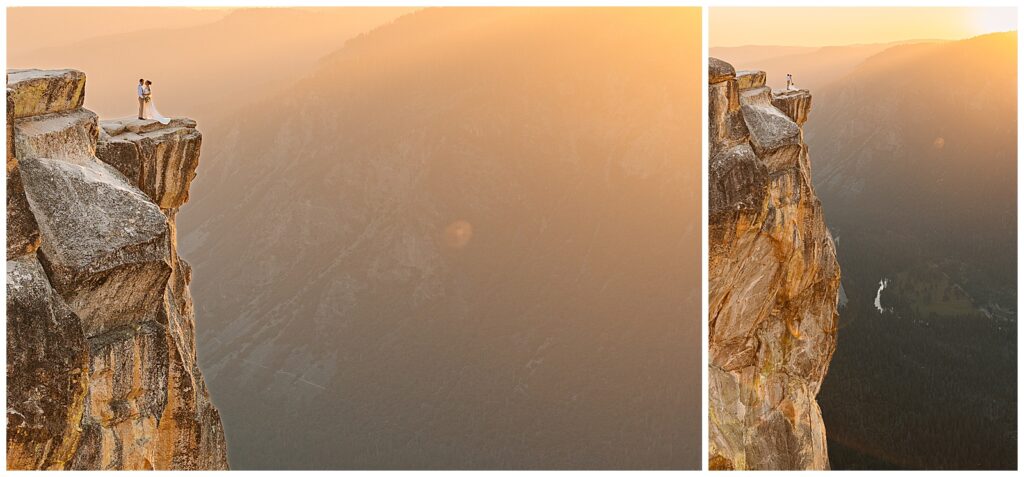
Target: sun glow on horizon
991,20
837,26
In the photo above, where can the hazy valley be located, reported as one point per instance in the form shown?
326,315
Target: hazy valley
454,246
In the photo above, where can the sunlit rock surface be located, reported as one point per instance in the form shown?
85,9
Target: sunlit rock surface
719,71
22,230
160,160
37,92
773,280
748,79
47,370
796,104
101,368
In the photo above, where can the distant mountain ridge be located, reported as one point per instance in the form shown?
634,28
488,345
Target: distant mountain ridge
211,69
811,67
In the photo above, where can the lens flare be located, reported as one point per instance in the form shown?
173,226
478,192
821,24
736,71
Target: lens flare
457,234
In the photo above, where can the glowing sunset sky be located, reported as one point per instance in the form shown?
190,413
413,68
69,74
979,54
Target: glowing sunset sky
851,25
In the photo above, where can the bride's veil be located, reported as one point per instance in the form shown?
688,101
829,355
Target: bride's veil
152,113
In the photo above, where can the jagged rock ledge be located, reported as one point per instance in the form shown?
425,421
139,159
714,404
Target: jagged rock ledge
796,104
101,349
160,160
773,279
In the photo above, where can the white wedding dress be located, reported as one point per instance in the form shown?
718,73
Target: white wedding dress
151,112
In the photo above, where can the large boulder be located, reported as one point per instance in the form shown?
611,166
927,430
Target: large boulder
759,96
70,135
748,79
37,92
719,71
47,370
769,128
105,245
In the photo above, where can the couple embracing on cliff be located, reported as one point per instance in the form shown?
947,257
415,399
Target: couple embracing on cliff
147,109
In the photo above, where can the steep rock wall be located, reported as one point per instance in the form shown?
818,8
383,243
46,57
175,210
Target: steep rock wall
101,366
773,279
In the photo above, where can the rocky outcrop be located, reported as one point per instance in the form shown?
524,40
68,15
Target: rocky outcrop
160,161
746,79
101,367
719,71
773,279
796,104
37,92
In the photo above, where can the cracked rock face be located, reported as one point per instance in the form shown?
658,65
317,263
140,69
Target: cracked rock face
101,360
47,363
160,161
796,104
22,230
773,280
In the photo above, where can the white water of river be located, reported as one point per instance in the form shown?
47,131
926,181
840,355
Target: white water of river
884,282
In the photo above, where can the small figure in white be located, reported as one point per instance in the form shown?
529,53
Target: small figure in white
789,83
149,110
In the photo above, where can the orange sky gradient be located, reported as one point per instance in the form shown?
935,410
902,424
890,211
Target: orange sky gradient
77,23
851,25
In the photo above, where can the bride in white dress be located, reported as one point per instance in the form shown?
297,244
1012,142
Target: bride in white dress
150,111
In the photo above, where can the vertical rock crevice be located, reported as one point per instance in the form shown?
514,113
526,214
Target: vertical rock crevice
101,367
773,279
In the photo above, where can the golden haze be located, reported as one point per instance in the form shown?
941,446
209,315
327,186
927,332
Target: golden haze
848,26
